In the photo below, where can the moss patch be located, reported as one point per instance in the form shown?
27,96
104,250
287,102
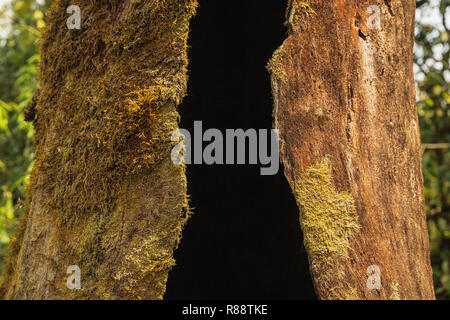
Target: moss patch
97,121
104,119
275,66
328,220
297,13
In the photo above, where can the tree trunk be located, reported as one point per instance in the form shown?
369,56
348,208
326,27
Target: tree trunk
349,138
104,194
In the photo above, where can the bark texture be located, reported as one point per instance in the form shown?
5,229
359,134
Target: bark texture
349,137
104,194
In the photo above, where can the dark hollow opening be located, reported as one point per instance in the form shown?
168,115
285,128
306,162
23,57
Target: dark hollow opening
244,240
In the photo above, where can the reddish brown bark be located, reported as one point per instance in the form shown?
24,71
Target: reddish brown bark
345,93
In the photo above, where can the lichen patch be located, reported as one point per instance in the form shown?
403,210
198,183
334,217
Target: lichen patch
328,220
297,13
395,294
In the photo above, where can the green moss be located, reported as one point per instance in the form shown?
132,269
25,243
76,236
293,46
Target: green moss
149,262
100,122
104,119
328,221
133,120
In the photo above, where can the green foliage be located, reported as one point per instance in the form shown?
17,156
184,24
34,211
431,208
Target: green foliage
433,75
19,58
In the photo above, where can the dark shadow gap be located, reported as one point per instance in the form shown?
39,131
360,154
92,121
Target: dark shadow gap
244,240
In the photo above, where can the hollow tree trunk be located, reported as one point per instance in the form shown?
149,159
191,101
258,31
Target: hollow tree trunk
349,138
104,193
105,196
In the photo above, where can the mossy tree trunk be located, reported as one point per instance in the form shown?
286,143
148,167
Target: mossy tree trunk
104,194
344,96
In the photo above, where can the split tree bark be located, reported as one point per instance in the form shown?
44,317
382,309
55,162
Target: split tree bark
105,196
349,137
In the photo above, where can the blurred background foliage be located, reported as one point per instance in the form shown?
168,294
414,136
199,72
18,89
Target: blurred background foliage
21,22
20,25
433,98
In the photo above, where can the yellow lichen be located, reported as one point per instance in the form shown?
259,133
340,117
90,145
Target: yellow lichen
297,12
274,66
134,120
395,294
328,221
